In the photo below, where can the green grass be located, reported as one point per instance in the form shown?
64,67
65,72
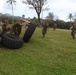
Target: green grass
53,55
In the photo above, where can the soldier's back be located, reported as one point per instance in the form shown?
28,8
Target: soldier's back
74,27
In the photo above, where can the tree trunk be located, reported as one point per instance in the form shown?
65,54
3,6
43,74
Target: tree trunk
12,14
39,19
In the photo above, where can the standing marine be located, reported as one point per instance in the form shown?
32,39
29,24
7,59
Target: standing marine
73,28
44,30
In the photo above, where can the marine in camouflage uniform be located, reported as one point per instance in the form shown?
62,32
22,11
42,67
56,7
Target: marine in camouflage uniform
73,28
1,30
16,28
5,28
54,26
44,30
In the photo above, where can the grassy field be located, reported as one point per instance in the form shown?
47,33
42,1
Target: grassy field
53,55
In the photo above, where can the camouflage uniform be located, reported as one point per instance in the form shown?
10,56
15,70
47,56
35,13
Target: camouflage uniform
1,29
73,31
54,27
4,27
44,30
16,29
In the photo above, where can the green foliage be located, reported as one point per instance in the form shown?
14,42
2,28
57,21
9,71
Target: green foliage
60,23
7,17
53,55
64,25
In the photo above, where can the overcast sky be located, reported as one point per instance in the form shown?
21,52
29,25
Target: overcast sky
61,8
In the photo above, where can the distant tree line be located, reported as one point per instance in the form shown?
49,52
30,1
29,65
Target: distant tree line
8,18
60,23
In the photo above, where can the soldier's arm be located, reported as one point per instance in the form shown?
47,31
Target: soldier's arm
71,27
1,30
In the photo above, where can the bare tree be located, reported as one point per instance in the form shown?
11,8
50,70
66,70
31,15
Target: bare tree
50,16
11,2
37,5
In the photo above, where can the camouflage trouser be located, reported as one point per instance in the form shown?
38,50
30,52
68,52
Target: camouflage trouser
73,33
44,32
